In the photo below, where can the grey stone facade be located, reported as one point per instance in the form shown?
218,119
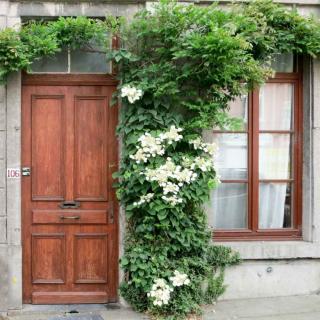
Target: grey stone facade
269,268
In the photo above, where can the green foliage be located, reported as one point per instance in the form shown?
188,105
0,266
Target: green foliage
189,62
18,49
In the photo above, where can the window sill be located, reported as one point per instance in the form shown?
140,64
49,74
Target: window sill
255,250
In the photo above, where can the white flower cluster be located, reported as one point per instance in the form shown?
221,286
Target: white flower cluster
152,146
132,93
210,148
171,178
171,135
144,199
204,164
179,279
161,291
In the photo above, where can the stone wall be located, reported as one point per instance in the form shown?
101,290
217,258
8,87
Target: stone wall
3,201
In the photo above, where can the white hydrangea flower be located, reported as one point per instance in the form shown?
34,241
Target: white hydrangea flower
139,156
169,176
160,292
151,145
185,176
197,143
179,279
144,199
173,200
172,135
210,148
132,93
203,164
170,187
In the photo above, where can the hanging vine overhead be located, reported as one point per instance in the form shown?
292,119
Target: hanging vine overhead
179,67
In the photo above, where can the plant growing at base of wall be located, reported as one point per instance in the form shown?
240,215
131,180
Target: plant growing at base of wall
179,68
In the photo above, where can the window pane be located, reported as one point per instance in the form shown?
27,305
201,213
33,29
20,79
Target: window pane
238,110
274,153
275,206
89,62
228,206
276,106
283,62
56,63
231,162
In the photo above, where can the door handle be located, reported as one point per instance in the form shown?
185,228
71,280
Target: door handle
69,204
71,218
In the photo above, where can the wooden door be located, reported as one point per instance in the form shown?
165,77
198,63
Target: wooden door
69,211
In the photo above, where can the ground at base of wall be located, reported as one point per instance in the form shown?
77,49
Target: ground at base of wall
278,308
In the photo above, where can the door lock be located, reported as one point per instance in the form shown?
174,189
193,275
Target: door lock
26,171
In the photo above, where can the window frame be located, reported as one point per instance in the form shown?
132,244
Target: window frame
253,232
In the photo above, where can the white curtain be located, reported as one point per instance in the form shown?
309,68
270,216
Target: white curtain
272,205
228,206
274,162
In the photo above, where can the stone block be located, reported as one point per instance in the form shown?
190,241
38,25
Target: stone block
14,277
3,19
3,202
316,92
14,211
2,108
14,22
2,173
259,279
2,93
3,230
2,144
3,278
2,116
316,184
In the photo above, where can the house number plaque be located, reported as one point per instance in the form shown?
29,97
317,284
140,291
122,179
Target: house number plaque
13,173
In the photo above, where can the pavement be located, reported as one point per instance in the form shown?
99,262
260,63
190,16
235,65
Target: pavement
279,308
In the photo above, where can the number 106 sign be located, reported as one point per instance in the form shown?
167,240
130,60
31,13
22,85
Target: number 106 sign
13,173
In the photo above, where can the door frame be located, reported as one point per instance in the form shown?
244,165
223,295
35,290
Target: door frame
72,80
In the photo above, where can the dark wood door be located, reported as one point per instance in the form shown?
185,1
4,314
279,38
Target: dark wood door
69,211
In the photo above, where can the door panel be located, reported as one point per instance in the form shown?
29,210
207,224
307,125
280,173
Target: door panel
90,260
47,147
48,258
69,212
90,148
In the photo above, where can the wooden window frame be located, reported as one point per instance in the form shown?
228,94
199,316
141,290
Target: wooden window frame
253,232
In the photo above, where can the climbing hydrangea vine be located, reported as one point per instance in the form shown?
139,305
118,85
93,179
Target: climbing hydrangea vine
179,67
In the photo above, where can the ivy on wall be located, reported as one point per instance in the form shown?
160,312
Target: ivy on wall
179,67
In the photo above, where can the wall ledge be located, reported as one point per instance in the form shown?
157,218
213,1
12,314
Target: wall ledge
260,250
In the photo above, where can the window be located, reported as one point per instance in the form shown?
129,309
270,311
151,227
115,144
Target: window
260,164
73,61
